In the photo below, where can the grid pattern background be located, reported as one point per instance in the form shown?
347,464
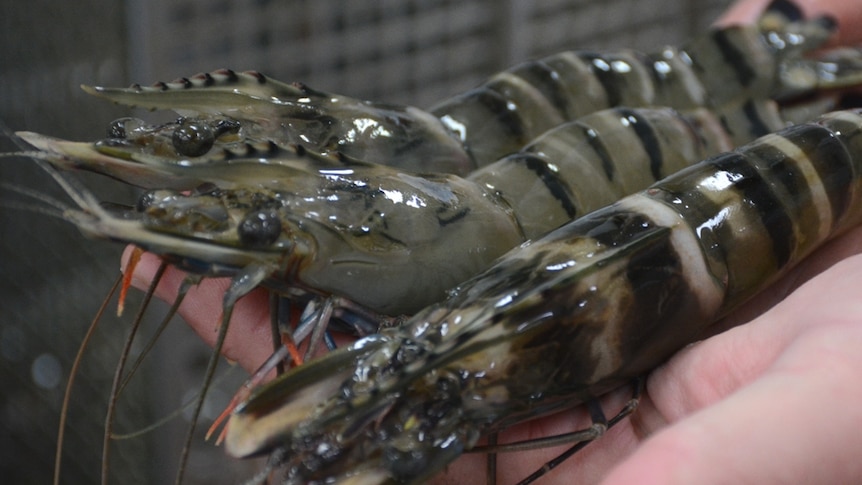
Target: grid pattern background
402,51
416,52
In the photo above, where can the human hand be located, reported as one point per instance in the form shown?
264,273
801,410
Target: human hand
771,401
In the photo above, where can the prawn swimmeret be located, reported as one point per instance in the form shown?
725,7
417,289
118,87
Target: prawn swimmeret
563,319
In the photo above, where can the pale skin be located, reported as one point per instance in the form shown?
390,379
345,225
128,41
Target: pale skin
771,399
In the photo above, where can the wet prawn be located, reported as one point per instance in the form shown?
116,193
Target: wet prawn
302,223
726,66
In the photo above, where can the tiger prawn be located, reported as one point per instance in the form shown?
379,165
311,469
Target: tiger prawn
723,67
299,222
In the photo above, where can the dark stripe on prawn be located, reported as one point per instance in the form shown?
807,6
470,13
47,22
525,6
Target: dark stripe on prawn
546,80
830,158
774,194
756,191
734,57
552,180
499,107
655,275
757,127
610,78
648,139
498,111
557,177
787,173
599,147
735,170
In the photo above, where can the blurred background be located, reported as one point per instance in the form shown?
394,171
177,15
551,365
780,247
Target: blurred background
52,279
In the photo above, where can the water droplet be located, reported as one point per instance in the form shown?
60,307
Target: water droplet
46,371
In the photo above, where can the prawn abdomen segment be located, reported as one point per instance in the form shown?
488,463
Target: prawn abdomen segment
779,198
585,164
638,293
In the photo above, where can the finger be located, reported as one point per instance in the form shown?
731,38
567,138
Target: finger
793,424
249,338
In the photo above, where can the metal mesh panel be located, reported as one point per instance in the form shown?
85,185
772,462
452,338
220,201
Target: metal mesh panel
51,277
392,50
415,52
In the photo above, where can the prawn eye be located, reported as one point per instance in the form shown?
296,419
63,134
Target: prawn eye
260,228
193,139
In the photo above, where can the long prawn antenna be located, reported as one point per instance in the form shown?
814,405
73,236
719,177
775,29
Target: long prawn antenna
73,372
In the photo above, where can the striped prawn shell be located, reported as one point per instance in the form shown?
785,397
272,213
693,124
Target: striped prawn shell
583,165
566,318
789,192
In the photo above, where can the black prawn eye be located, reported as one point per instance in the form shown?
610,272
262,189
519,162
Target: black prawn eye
260,228
193,139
